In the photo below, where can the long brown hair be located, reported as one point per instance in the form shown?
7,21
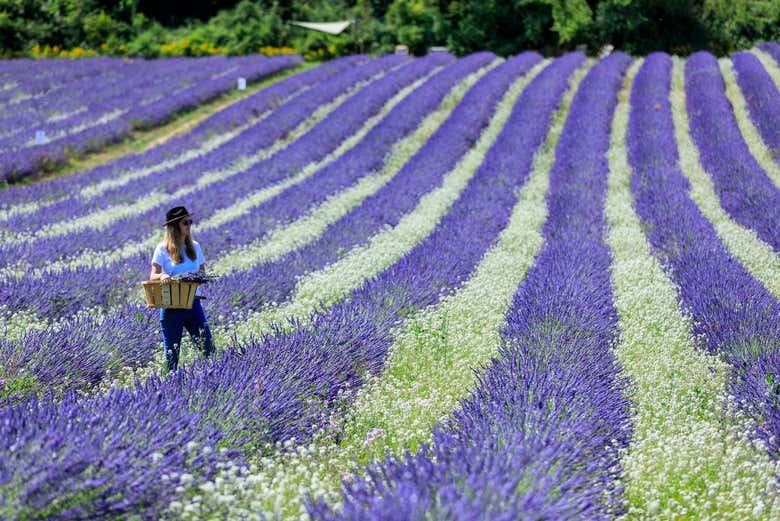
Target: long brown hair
173,241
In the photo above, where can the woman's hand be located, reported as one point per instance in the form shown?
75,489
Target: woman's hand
157,274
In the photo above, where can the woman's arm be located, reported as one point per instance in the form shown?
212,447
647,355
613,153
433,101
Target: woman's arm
157,274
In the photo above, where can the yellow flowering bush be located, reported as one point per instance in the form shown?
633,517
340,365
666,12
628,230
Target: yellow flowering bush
320,54
46,51
187,47
275,51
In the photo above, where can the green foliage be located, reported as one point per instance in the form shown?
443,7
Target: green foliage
63,23
370,33
571,18
506,27
125,27
245,28
21,386
736,24
149,36
418,24
643,26
100,28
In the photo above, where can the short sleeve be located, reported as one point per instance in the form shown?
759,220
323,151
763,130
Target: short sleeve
199,257
159,255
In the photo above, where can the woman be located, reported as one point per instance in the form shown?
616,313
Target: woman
178,254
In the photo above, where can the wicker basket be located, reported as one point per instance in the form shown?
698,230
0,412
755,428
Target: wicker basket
175,294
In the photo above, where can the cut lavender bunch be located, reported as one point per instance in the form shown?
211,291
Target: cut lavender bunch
196,276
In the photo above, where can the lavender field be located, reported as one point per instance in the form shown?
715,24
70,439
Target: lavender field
449,288
55,108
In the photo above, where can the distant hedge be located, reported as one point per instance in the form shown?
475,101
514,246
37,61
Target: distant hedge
198,27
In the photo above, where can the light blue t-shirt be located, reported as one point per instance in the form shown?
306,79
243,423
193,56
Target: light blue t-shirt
162,258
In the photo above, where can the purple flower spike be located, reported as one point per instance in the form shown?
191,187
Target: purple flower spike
233,116
273,128
367,156
772,48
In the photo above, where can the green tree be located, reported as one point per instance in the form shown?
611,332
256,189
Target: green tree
505,27
643,26
370,33
99,28
571,19
417,24
738,24
246,27
149,35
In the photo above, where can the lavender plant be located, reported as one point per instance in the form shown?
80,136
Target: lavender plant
326,136
131,273
234,116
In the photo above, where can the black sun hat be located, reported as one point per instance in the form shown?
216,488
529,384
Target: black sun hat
176,213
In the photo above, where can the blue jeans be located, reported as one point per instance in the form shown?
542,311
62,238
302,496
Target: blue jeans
173,321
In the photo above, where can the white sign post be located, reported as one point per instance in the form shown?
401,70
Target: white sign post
241,83
40,137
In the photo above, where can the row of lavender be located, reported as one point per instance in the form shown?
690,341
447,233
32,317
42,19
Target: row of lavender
296,107
102,89
25,78
266,380
365,319
737,193
57,113
235,116
105,104
482,463
733,313
85,351
269,282
75,338
510,462
541,435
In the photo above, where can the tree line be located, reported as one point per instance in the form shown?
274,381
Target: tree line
198,27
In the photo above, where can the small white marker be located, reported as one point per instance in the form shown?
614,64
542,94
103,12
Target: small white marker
241,83
40,137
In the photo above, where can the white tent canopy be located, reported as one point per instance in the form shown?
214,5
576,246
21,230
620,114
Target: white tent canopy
325,27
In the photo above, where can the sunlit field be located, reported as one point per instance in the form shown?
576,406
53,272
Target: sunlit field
449,288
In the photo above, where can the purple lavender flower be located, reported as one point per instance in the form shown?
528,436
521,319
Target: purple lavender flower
235,115
319,141
66,295
772,48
